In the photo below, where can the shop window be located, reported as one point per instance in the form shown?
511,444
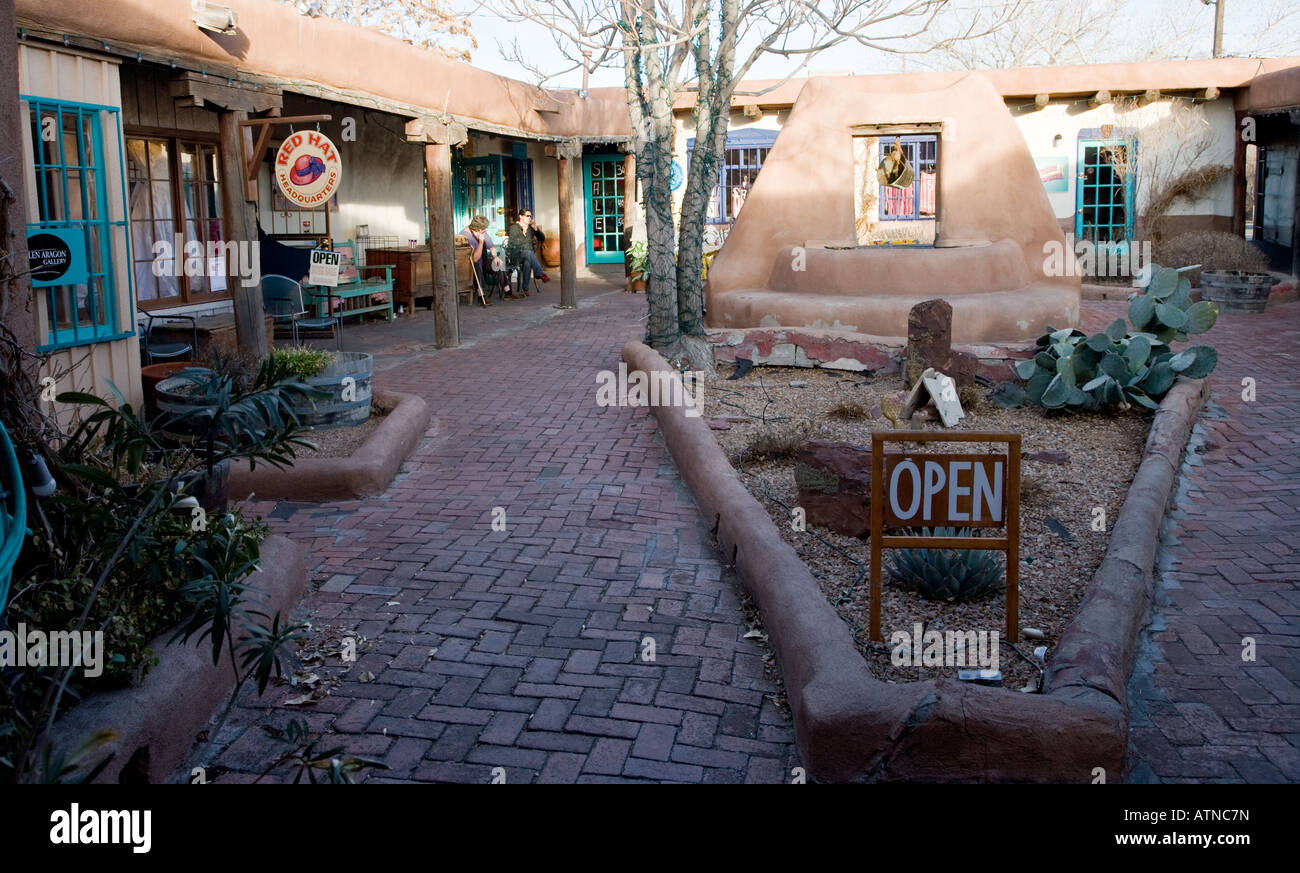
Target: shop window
70,186
911,198
741,162
174,198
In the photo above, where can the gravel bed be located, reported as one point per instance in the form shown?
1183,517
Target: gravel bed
341,442
1104,453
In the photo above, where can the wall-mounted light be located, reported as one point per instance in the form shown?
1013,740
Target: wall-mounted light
218,19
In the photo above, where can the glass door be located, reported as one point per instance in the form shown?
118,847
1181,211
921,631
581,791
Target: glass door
480,190
603,197
1104,213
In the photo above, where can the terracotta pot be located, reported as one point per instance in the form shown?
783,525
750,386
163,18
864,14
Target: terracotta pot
638,287
151,375
551,251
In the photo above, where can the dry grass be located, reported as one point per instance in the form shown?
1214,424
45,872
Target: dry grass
847,410
777,443
1213,250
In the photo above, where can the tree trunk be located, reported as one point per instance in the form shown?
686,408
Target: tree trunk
240,224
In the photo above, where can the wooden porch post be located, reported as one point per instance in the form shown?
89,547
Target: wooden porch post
442,246
239,225
438,136
567,153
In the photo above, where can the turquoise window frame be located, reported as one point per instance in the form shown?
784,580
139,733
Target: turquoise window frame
602,255
93,332
1082,187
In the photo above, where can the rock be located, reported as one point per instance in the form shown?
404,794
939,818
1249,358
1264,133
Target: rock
799,383
1051,456
929,345
834,482
1032,633
719,424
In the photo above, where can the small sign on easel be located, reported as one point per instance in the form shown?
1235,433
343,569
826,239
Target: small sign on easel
941,489
324,268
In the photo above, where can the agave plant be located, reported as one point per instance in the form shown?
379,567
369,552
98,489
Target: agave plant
947,574
1120,367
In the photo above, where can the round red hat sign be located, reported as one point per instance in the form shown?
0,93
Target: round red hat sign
308,169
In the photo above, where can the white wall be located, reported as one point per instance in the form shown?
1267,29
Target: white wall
1040,127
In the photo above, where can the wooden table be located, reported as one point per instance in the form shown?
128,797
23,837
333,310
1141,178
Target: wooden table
412,272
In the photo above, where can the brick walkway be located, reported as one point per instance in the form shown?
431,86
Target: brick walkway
524,648
1231,561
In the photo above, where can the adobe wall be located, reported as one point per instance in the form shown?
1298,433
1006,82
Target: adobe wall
993,224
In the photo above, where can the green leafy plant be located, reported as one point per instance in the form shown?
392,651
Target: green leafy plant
299,361
318,765
1120,367
954,575
638,260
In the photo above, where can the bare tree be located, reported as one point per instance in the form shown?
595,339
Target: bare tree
706,47
432,24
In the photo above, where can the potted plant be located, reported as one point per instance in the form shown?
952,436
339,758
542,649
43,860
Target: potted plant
638,261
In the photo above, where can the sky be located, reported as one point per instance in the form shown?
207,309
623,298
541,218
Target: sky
1140,24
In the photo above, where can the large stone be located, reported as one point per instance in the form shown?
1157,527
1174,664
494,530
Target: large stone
834,482
929,344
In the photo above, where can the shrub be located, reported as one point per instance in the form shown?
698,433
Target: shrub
299,361
847,410
1214,250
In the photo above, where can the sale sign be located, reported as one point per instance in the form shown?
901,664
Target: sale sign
308,169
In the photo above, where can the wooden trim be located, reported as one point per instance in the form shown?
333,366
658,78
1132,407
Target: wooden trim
132,131
901,129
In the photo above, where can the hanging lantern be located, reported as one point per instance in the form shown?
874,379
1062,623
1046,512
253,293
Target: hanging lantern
894,170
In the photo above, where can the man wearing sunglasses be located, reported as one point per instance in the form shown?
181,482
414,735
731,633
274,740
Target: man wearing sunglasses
522,237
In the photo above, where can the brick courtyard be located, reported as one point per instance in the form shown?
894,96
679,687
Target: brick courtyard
522,648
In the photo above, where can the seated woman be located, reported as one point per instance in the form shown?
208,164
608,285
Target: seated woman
520,250
482,253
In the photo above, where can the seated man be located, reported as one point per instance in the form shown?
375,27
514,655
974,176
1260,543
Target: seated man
520,250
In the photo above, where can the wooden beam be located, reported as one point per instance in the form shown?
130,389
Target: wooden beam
1150,95
895,129
568,236
442,246
255,159
442,131
1101,98
1041,100
195,89
286,119
240,225
1210,93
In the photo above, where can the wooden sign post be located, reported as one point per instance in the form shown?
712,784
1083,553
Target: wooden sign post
941,489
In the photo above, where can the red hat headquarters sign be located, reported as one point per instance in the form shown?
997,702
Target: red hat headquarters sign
308,169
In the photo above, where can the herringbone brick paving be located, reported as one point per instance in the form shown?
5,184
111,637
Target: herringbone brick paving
525,648
538,628
1230,565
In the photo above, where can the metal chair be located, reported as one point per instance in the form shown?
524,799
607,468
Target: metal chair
168,351
283,301
13,513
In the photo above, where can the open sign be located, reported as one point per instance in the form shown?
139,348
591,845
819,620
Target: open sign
944,489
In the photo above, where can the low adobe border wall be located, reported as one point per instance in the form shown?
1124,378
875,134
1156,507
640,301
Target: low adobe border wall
157,720
849,726
368,471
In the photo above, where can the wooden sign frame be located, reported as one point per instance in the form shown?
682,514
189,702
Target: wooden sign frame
1009,543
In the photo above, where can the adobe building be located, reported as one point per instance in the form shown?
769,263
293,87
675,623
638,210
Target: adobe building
134,114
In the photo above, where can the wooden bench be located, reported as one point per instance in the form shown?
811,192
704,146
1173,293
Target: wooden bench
354,292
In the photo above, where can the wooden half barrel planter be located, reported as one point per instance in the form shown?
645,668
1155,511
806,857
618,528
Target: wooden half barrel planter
347,384
1235,290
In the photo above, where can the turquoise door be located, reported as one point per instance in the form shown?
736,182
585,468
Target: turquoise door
1104,195
480,190
603,196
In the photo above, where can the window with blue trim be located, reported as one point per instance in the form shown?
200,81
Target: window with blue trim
741,162
71,187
